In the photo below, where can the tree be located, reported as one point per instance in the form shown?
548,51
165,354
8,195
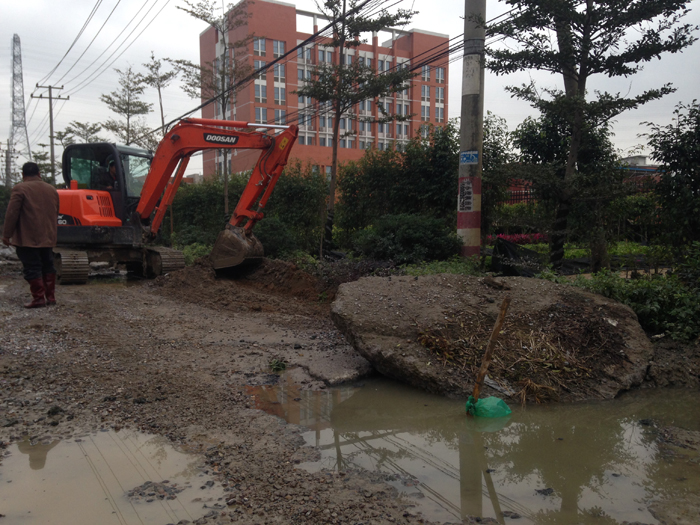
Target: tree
158,79
126,103
588,37
419,179
218,79
677,148
44,162
597,182
84,131
341,86
497,156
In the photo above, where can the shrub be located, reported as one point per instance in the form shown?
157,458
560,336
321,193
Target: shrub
662,303
194,251
275,237
407,239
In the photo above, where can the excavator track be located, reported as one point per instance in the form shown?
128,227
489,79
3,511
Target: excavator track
72,266
161,260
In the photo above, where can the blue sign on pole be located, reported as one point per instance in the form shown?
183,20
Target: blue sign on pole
469,157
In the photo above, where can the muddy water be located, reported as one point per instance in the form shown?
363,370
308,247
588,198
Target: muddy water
99,478
592,463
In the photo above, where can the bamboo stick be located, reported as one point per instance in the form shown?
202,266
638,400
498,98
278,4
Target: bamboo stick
486,360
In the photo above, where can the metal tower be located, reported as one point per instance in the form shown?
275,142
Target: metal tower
19,136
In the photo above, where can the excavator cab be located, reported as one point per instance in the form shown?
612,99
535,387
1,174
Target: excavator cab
119,170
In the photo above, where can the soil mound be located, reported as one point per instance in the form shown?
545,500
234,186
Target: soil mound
266,288
557,342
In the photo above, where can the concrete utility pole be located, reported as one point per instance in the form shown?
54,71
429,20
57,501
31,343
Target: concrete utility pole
51,99
471,129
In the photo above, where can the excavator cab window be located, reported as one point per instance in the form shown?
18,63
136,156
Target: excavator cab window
87,164
135,171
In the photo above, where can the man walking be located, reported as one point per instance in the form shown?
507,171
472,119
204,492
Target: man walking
31,223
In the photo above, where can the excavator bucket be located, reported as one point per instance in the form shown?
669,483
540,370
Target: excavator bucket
235,246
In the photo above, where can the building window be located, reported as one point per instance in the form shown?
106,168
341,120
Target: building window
425,131
321,56
366,105
259,47
440,114
322,141
301,140
425,93
279,72
440,95
425,113
380,127
304,54
380,66
260,93
260,115
280,116
440,75
280,95
259,64
425,73
343,143
277,48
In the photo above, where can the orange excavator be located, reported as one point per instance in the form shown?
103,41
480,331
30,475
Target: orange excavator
117,197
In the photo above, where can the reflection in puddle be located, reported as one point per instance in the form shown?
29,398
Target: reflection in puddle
591,463
110,477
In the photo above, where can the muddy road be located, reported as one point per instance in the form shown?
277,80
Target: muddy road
176,356
172,357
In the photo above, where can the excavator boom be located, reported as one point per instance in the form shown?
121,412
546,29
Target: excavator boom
236,243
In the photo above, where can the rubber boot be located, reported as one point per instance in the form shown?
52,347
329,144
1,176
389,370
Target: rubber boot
36,286
50,288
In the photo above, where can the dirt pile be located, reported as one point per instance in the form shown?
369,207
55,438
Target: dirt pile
273,286
557,343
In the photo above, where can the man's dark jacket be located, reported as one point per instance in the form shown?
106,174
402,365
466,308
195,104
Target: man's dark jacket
31,219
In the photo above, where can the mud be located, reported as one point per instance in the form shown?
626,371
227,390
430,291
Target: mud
173,357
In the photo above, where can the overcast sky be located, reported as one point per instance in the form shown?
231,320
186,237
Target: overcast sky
47,28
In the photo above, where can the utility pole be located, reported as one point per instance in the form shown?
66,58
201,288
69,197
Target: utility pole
471,129
51,99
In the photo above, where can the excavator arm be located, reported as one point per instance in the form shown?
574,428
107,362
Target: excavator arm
236,243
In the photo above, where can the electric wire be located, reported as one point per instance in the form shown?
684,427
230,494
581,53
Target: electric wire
96,73
91,41
82,29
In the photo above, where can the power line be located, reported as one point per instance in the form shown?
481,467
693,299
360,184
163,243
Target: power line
91,41
82,29
97,73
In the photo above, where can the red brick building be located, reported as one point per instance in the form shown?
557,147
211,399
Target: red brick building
270,98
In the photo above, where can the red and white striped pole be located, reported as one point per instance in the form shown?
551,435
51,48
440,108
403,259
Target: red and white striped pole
471,129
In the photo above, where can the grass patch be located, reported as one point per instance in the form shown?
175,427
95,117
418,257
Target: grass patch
457,265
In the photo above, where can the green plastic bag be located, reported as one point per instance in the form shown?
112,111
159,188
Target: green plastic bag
487,407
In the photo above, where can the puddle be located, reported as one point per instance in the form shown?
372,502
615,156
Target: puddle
120,478
589,463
